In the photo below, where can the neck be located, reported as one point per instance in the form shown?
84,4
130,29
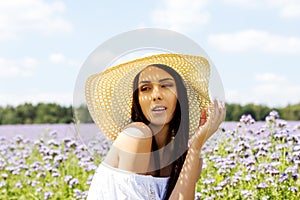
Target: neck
161,134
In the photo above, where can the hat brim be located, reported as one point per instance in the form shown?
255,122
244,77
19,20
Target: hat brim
109,94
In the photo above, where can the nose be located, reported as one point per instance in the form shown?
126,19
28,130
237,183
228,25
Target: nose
156,94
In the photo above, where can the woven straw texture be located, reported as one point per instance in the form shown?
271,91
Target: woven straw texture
109,94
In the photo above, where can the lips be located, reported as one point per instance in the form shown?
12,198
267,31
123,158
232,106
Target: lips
159,109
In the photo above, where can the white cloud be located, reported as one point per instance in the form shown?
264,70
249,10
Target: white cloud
57,58
290,11
244,3
270,78
255,40
24,67
269,89
286,8
35,97
32,15
181,15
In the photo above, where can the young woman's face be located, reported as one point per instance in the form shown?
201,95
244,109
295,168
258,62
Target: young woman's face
157,95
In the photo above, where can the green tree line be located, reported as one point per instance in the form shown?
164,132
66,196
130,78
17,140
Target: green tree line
36,114
259,112
54,113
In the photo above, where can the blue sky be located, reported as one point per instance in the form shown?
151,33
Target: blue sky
254,44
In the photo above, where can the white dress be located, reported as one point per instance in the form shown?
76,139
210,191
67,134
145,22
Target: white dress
114,184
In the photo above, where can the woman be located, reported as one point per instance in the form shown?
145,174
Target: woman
150,158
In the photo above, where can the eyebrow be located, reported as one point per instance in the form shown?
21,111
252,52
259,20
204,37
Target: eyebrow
161,80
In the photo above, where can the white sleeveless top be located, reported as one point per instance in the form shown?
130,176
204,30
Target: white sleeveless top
116,184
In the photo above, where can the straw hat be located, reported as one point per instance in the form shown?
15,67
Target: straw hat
109,94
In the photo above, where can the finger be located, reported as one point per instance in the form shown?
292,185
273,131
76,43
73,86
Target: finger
210,120
203,117
222,110
224,106
216,110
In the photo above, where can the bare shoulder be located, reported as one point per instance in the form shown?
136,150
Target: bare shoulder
134,138
137,129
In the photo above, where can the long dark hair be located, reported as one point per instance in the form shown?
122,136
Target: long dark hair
178,127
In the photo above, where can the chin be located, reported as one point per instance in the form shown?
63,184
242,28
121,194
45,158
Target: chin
160,123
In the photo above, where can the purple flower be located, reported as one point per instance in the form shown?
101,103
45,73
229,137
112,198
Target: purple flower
72,144
89,180
47,158
293,189
217,188
66,140
280,147
198,195
249,161
39,189
296,147
246,193
296,154
220,195
291,169
84,194
261,153
18,185
248,177
41,175
223,170
262,185
247,119
73,182
34,183
265,198
68,178
4,176
15,172
82,147
53,134
59,158
77,193
208,181
2,184
54,152
28,173
53,142
251,168
56,174
281,123
223,183
243,145
295,176
18,139
283,177
274,114
275,156
272,117
48,195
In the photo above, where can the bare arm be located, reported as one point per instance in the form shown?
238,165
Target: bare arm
189,175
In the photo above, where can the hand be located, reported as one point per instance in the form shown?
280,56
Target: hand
208,125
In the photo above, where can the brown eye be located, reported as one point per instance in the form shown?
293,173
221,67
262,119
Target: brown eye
167,85
145,88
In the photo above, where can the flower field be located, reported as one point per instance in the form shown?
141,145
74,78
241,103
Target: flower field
252,161
48,167
245,160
